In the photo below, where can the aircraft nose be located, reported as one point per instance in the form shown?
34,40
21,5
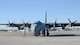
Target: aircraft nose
36,22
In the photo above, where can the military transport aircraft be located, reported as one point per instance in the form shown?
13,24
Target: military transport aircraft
42,27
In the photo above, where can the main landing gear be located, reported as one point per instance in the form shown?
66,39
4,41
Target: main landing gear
45,32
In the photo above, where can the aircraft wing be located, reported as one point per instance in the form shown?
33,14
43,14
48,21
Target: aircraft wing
61,24
16,24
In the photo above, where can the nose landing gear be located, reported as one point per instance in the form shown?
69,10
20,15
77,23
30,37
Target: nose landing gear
44,32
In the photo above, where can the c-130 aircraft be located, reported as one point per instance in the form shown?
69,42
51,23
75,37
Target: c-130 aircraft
43,27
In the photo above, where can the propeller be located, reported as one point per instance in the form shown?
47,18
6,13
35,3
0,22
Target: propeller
55,23
29,24
8,23
71,23
12,24
23,24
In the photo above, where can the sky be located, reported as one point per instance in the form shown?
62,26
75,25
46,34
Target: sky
18,11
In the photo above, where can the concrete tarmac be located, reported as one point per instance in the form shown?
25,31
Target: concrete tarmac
17,38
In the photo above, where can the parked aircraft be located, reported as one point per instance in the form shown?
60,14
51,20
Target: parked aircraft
43,27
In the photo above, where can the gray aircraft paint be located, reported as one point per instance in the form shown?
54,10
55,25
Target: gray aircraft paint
38,26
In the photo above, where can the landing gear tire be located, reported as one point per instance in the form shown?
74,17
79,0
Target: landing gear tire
43,33
47,34
36,33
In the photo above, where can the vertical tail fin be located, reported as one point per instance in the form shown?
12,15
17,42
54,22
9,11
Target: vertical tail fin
46,16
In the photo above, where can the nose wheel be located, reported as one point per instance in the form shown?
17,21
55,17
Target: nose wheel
36,33
44,33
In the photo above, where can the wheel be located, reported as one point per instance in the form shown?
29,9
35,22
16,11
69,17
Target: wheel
36,33
43,32
47,34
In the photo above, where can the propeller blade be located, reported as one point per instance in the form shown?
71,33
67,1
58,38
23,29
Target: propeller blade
74,21
9,23
55,22
23,21
23,24
70,23
69,20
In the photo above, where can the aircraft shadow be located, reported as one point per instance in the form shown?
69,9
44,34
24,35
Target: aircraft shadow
63,35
